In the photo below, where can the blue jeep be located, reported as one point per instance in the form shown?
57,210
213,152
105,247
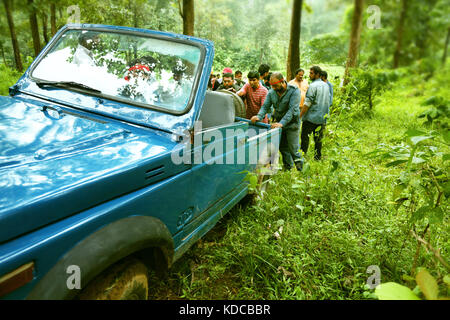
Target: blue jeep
114,158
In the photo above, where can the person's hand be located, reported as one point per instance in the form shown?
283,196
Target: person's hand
254,119
232,90
276,125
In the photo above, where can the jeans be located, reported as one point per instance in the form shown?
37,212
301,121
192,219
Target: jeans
307,129
289,148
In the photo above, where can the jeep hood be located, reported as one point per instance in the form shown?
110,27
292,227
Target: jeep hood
55,165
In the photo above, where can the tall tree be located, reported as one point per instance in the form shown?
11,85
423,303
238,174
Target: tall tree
44,26
12,30
354,38
444,56
34,28
53,18
400,28
293,60
187,13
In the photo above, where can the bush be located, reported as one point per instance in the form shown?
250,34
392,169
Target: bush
8,77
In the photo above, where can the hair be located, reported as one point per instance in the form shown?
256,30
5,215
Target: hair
228,75
263,69
324,74
253,75
277,75
238,72
298,70
316,69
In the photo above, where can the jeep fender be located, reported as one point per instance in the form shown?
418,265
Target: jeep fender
100,250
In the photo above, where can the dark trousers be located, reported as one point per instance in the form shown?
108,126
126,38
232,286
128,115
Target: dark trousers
289,149
307,129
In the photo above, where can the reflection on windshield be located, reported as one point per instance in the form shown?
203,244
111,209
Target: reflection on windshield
139,69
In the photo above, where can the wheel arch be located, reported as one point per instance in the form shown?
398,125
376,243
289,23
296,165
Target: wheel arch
134,235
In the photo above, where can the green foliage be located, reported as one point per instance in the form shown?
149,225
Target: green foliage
359,96
438,113
327,48
8,77
427,287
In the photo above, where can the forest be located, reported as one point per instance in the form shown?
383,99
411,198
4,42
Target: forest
368,221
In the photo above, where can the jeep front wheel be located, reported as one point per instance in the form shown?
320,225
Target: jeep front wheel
126,280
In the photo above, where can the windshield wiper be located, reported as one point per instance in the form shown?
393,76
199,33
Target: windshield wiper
66,84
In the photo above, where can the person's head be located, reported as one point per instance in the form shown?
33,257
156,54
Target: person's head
314,72
227,70
89,40
212,76
299,73
178,72
141,68
218,76
253,79
277,82
263,70
238,75
324,76
228,80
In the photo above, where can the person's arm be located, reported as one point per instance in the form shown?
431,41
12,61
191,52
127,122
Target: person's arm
264,109
293,111
309,100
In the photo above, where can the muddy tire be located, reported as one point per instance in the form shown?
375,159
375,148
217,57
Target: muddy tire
127,280
239,105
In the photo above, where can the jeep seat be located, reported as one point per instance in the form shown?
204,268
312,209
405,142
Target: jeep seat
218,109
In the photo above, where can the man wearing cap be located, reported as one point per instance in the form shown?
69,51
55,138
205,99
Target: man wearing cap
218,82
285,99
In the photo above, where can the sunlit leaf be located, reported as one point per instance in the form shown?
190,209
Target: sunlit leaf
427,284
394,291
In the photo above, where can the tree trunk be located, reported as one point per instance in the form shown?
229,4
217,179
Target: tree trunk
354,38
401,24
293,60
34,28
12,30
444,56
44,27
187,13
3,54
53,18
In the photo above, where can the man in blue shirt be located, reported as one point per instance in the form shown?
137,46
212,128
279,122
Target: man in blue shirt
315,112
285,99
324,77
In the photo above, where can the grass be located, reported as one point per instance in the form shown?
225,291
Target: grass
337,220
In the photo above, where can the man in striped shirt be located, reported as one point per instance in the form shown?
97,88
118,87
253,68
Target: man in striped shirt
254,95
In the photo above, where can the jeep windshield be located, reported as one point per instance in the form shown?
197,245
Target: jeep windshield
142,71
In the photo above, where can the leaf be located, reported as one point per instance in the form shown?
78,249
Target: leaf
394,291
420,213
395,163
436,215
446,157
414,133
447,280
415,140
427,284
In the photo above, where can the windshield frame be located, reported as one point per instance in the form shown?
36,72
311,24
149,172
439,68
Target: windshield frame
142,34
